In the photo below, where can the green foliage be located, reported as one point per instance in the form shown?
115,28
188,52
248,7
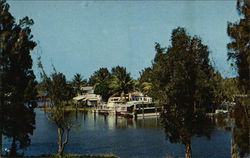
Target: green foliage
78,82
56,86
17,79
145,81
103,90
99,76
223,89
241,131
100,80
181,78
239,47
58,90
121,83
239,53
118,82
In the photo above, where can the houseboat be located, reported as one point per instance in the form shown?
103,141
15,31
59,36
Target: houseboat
138,109
133,105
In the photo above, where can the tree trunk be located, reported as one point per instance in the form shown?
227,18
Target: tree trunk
1,111
188,152
13,151
1,146
61,143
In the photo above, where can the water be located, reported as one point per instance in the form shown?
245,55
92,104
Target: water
125,138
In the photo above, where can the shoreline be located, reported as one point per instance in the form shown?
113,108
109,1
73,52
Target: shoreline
69,156
68,108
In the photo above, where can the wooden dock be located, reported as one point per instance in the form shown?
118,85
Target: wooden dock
126,114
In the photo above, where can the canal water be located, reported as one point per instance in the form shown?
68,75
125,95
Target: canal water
98,134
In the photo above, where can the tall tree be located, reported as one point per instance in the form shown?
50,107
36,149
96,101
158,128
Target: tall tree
100,80
99,76
239,52
145,81
121,83
239,47
17,79
78,82
182,73
242,127
56,86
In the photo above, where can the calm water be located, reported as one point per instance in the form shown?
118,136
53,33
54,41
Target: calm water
125,138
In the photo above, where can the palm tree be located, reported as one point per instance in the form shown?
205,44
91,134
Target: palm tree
78,82
121,83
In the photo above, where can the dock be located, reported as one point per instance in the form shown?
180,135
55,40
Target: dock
126,114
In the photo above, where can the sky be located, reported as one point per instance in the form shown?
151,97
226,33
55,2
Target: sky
82,36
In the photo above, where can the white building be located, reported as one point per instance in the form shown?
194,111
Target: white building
138,96
88,97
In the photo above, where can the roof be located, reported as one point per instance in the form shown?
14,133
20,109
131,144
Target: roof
80,97
87,97
87,88
137,94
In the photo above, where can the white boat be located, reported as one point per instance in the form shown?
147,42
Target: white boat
142,110
115,104
134,105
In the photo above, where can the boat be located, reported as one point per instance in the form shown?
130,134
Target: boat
140,109
134,105
225,108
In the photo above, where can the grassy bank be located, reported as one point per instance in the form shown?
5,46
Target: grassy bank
73,156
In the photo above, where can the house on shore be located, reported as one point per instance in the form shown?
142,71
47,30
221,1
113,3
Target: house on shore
88,97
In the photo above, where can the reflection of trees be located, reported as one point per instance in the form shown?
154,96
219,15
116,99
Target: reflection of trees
241,131
223,121
19,125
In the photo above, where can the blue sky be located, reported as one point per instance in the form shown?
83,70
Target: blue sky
82,36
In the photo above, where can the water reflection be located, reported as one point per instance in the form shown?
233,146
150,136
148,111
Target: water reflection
241,131
127,138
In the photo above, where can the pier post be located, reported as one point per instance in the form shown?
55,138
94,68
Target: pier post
156,113
95,116
143,110
1,145
1,110
135,112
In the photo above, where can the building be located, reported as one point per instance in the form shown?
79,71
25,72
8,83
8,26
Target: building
87,90
87,97
138,96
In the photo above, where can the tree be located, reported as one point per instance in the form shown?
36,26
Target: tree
239,47
182,74
17,80
100,80
241,130
239,53
56,87
99,76
121,83
145,81
78,82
